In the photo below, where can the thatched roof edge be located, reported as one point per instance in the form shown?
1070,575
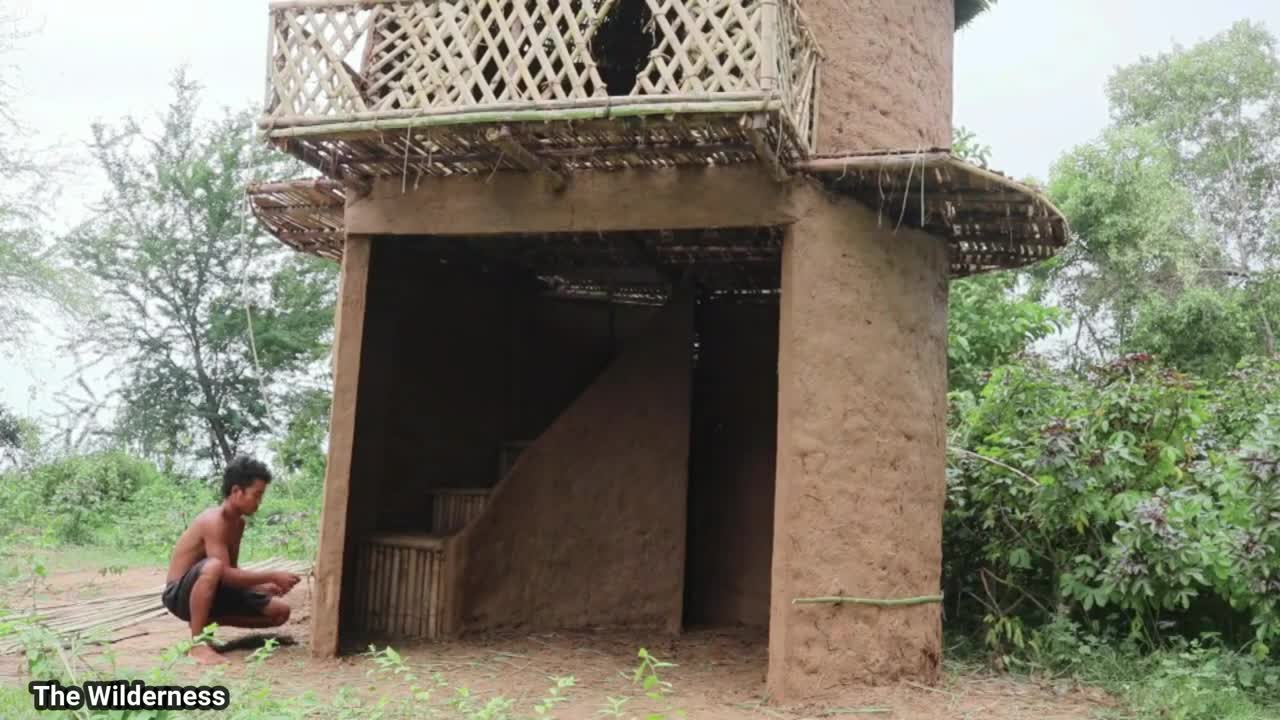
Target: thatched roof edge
989,220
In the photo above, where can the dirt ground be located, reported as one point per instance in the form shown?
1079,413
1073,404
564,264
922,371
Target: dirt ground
719,674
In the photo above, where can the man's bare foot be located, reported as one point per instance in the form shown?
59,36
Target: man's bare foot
206,655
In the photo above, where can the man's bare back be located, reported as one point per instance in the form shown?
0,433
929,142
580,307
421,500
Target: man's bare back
205,583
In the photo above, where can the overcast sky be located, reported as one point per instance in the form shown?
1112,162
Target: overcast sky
1029,80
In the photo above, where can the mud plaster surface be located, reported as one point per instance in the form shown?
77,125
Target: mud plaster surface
861,454
887,76
589,526
719,675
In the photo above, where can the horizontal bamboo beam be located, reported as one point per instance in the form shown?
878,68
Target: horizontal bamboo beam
503,138
329,4
484,115
864,163
270,122
296,186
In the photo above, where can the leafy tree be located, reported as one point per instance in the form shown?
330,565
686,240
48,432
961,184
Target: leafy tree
1136,233
32,270
203,311
992,317
989,323
10,429
965,145
1215,107
301,452
1181,194
1204,331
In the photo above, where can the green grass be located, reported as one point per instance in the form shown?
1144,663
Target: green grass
84,557
1184,680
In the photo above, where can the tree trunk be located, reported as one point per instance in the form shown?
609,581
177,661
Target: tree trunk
210,403
1268,336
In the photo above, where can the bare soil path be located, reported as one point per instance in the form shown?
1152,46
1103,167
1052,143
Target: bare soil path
719,674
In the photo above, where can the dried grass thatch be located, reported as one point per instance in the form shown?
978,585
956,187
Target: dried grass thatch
989,222
306,215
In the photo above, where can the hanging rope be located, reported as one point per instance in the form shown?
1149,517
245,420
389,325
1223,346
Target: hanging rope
248,312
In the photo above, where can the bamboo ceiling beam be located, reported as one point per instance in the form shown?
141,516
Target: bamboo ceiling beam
505,139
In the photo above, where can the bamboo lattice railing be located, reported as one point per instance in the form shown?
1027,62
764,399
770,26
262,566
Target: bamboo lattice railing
354,84
452,509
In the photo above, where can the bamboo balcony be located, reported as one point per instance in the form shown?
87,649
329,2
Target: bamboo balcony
370,88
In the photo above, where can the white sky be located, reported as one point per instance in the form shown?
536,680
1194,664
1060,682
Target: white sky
1029,81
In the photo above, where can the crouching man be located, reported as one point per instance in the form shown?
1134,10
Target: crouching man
205,585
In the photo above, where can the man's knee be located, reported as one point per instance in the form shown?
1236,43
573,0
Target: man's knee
278,611
212,568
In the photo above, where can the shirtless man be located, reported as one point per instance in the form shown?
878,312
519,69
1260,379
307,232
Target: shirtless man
205,584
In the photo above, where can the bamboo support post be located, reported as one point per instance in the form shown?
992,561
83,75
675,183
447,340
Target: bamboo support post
756,132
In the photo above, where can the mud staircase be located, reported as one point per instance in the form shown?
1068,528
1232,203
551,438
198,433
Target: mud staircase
414,585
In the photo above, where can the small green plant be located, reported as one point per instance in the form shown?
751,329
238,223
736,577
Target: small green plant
655,688
613,707
390,662
555,696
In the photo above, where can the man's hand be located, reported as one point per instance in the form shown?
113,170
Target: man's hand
270,588
284,581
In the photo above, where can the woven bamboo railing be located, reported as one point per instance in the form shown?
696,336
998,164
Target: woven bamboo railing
344,67
452,509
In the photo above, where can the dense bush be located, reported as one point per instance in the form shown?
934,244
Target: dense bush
119,502
1135,500
79,493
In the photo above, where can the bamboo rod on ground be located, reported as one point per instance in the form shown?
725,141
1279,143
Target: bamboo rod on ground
890,602
110,614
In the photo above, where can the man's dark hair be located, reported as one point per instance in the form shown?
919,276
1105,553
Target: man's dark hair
241,473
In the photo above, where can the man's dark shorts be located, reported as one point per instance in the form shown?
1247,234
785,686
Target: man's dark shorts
227,601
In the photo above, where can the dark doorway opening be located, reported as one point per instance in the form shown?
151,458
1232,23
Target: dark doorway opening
731,464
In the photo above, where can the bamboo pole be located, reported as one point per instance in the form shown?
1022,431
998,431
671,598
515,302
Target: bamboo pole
891,602
334,126
597,103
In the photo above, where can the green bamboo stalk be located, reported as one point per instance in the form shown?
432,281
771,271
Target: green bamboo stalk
472,117
890,602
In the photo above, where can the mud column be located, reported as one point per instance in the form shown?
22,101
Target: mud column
861,443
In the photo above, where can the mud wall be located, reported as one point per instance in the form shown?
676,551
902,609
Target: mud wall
560,347
433,395
376,386
887,76
589,527
731,469
861,450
